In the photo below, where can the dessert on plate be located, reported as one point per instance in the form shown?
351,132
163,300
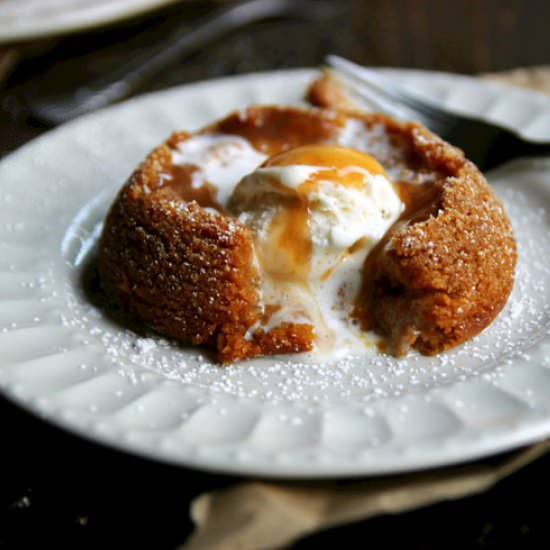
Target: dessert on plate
284,230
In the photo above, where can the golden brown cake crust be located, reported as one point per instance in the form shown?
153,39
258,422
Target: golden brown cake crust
180,269
445,274
442,273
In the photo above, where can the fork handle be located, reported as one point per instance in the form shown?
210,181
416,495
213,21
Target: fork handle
511,146
534,149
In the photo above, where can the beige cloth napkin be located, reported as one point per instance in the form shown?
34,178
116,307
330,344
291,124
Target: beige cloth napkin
257,515
266,515
535,78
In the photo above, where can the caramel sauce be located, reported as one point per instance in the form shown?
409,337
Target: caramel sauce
331,156
264,128
287,254
269,311
351,179
334,161
178,185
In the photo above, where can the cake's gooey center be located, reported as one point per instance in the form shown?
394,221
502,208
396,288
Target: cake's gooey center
316,211
320,215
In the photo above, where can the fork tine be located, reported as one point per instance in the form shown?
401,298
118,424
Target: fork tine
485,143
366,78
371,98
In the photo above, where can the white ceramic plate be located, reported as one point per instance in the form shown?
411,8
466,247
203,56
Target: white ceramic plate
29,19
63,360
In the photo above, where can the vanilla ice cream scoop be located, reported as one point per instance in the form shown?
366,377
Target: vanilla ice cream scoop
316,212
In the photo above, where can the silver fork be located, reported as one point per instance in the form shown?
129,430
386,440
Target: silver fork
487,144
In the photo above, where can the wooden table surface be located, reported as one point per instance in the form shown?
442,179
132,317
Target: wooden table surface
60,491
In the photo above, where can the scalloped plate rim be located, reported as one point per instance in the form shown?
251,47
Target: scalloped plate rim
536,429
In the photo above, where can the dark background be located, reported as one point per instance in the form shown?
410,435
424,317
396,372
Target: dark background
63,492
